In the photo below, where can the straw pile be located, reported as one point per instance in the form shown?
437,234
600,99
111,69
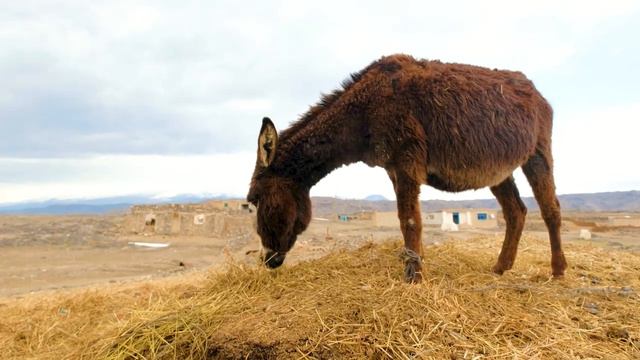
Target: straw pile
355,305
70,325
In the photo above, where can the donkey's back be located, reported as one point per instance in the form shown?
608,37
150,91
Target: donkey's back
477,124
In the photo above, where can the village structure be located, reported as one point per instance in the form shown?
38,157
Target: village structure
212,218
447,220
236,218
230,218
456,219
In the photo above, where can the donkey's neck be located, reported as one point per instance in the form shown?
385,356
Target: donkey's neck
316,145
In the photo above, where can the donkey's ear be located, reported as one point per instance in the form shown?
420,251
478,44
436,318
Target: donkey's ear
267,142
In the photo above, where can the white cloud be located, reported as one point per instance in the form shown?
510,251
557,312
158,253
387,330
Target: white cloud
86,80
597,150
102,176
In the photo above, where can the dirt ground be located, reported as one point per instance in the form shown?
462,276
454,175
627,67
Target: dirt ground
49,253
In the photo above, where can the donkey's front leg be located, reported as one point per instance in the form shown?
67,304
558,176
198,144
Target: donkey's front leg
407,192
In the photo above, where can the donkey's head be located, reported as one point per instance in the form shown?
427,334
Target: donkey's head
284,207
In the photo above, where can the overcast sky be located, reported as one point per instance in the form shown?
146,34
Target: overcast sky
157,97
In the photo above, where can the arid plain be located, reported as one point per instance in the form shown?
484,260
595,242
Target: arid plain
49,253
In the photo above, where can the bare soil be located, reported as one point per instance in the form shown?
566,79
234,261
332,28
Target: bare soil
49,253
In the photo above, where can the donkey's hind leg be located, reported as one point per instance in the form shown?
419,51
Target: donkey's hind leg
539,172
514,212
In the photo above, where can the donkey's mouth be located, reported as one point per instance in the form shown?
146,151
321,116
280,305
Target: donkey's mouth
273,259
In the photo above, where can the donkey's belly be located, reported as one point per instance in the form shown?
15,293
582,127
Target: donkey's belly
461,180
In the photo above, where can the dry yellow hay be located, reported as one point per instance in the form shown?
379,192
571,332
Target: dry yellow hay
355,305
66,325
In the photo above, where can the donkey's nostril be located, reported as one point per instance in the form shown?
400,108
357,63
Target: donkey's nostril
274,259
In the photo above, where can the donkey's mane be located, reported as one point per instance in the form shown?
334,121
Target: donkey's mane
326,100
387,64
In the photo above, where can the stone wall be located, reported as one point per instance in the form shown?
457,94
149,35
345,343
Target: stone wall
190,220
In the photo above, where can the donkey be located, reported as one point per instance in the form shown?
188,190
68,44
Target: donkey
454,127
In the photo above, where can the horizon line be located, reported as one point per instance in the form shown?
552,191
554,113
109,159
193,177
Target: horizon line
205,196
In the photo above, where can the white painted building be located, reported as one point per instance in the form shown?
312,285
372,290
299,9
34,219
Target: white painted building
447,220
454,219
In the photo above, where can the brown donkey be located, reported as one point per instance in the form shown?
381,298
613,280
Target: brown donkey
451,126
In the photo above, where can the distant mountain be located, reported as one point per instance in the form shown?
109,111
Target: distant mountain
67,209
376,197
606,201
101,205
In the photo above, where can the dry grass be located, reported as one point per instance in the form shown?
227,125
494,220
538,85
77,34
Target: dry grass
353,305
67,325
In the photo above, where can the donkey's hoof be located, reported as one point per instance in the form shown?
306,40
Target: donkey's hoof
558,266
500,268
413,273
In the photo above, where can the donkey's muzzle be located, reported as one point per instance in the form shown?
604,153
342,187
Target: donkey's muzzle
273,259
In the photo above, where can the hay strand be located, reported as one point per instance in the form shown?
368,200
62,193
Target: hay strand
354,304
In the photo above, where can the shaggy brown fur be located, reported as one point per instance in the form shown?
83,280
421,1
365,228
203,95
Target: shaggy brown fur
454,127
